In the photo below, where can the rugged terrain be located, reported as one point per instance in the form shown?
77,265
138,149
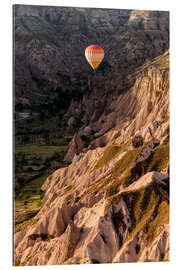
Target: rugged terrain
111,204
52,73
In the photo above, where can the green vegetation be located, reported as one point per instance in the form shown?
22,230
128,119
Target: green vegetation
38,126
17,263
94,188
97,186
142,220
160,159
161,219
126,161
68,188
28,258
24,214
39,149
25,225
137,141
43,236
33,163
124,167
61,141
110,153
149,211
157,161
28,199
112,189
124,173
165,118
147,200
89,138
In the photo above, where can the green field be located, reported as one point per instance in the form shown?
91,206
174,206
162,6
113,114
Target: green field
28,194
39,149
28,200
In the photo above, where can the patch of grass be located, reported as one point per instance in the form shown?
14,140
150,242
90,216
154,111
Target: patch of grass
161,219
50,123
42,236
157,161
39,149
166,132
110,153
17,263
40,192
141,220
147,200
113,188
61,141
28,193
121,167
26,260
34,185
25,225
126,161
98,186
160,159
165,118
39,203
148,211
138,207
158,93
127,178
68,188
32,195
89,138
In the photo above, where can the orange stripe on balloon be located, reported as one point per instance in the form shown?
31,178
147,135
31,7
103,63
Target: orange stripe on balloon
95,51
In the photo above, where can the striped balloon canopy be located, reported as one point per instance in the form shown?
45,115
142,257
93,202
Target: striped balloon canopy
94,55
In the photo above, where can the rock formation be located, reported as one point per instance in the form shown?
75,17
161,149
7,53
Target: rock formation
52,75
75,147
112,203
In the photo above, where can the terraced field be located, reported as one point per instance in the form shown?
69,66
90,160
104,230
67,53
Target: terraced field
33,163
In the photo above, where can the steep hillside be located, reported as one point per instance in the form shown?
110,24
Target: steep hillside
54,82
111,204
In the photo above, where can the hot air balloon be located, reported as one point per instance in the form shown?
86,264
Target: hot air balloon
94,55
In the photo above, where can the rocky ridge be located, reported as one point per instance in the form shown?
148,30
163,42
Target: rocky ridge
112,203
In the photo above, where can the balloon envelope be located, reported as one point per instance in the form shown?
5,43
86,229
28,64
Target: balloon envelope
94,55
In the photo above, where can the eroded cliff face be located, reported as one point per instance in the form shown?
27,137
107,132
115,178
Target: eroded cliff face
112,203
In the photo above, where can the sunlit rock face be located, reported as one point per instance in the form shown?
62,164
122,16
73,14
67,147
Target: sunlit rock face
111,204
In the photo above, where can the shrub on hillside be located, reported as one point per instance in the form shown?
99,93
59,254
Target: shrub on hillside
137,141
